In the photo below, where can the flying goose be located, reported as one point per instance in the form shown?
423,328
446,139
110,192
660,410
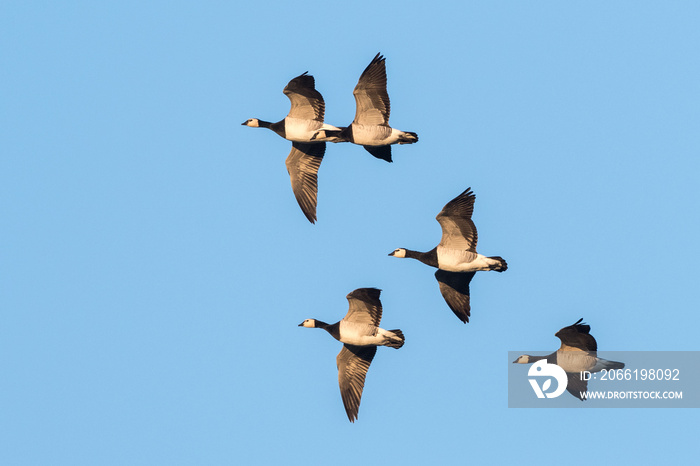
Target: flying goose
300,126
455,257
577,353
370,128
359,331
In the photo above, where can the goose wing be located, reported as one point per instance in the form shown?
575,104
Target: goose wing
307,102
302,164
365,306
576,385
371,98
577,337
380,152
353,363
458,229
454,287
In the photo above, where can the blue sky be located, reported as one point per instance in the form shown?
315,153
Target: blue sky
155,264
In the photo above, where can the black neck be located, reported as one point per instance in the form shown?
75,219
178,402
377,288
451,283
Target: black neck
276,127
428,258
333,329
346,133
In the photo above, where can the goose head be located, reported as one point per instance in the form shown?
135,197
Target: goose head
400,252
308,323
522,359
252,122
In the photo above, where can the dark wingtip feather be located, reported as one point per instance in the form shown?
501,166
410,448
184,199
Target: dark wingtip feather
502,266
372,293
582,326
380,152
397,344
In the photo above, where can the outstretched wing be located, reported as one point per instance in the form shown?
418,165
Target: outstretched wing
371,98
458,229
307,102
576,337
353,363
365,306
454,287
302,164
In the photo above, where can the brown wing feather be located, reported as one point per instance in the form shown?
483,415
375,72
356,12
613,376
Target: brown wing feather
303,163
454,287
307,102
353,363
371,97
458,229
365,306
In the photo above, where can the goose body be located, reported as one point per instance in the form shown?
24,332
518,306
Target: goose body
376,135
297,129
455,257
574,361
360,334
578,352
302,126
370,128
455,260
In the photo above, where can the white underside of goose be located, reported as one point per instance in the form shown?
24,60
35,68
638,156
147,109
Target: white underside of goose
375,135
301,130
353,333
455,260
577,361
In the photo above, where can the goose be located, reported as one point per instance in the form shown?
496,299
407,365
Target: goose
370,128
455,257
577,353
360,334
300,126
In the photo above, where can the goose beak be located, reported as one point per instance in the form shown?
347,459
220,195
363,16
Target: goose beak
392,253
243,124
301,324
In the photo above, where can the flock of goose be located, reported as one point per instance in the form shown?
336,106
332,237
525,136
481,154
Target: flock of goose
455,256
304,126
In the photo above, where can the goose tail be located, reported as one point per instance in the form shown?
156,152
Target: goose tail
500,265
611,365
395,339
407,137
